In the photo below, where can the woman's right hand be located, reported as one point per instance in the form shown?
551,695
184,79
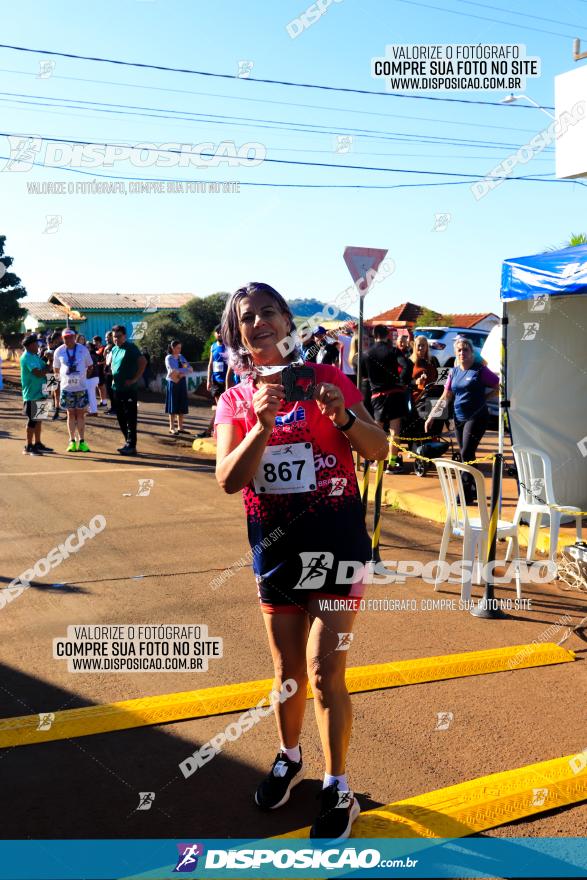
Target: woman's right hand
266,403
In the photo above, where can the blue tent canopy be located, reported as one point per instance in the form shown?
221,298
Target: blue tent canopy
555,272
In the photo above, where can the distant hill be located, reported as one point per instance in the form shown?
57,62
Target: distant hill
305,308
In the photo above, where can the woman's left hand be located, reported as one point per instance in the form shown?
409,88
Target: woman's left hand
330,402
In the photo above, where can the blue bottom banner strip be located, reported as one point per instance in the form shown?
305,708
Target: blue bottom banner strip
288,858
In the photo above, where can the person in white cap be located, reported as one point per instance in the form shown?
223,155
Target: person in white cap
71,363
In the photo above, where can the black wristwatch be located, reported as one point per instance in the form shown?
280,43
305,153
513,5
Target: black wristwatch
347,425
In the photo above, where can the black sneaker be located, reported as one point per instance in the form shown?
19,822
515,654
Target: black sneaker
275,789
30,449
42,448
128,450
338,811
55,415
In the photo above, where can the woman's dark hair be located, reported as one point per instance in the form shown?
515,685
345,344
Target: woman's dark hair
239,358
172,345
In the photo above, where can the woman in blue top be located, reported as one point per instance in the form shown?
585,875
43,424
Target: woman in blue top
469,384
176,402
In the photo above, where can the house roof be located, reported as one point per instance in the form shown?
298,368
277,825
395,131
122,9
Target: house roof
121,301
45,311
470,320
404,312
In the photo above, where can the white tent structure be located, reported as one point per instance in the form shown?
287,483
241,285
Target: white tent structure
545,362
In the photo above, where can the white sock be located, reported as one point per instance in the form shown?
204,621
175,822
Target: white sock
330,780
293,754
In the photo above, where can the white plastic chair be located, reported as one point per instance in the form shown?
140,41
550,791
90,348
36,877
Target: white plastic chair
473,530
536,496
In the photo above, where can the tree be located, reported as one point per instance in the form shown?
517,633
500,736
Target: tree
575,239
428,318
161,330
11,290
192,325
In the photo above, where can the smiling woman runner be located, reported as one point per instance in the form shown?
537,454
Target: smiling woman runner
294,463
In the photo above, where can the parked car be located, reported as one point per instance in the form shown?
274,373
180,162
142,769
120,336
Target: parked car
441,341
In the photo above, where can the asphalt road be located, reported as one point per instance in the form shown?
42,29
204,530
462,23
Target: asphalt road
153,563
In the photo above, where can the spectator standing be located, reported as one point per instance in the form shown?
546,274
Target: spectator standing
345,341
108,348
469,384
310,349
217,373
72,363
54,343
128,365
99,347
388,395
176,402
328,351
33,371
93,380
424,372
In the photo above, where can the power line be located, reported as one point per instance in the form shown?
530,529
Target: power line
271,161
485,18
189,113
531,178
248,122
278,82
523,14
109,82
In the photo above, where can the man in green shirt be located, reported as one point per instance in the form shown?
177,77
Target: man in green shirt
33,372
128,365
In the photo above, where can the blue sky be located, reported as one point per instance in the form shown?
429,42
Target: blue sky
291,238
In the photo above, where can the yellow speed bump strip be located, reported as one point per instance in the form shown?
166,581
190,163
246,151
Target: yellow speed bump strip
479,804
165,708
